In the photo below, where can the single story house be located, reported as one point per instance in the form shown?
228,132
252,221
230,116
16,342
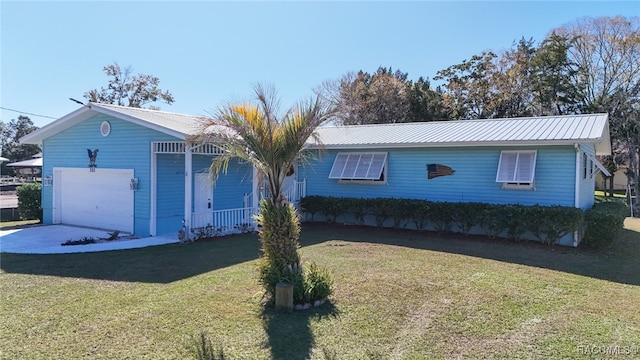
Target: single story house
537,160
131,169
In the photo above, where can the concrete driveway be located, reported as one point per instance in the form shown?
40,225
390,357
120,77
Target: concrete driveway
47,239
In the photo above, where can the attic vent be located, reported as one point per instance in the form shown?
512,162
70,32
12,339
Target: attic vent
105,128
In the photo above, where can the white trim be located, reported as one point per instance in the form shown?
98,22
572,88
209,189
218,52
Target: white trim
105,128
578,176
188,185
153,183
598,165
118,115
256,189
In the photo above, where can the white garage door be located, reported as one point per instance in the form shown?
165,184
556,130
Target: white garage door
101,199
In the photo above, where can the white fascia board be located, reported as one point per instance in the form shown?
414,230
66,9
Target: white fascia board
63,123
137,121
603,146
452,144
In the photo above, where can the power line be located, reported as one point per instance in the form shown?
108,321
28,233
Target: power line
32,114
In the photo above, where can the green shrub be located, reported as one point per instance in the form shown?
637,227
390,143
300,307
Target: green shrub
312,204
548,223
357,207
515,221
603,223
420,210
332,207
29,201
468,215
442,215
309,284
491,220
318,282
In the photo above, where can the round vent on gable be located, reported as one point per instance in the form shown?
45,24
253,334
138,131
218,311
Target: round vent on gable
105,128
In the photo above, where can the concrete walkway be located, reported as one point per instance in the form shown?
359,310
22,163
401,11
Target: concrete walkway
47,239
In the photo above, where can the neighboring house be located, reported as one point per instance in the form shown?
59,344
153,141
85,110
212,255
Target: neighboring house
31,167
620,180
147,179
129,169
538,160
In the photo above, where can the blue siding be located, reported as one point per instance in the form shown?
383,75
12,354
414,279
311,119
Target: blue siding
127,147
229,188
170,193
473,180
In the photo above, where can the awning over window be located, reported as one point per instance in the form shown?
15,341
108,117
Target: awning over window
358,166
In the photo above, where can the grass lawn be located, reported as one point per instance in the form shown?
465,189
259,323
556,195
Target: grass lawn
398,295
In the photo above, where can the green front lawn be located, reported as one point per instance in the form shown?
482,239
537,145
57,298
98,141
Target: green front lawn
398,295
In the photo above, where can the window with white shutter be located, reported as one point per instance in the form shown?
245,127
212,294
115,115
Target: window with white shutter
368,166
516,169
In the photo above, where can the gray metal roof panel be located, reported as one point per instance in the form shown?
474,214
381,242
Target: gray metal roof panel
547,129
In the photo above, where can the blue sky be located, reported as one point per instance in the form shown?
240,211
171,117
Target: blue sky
206,52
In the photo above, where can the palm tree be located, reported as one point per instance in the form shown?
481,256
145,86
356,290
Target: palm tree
254,132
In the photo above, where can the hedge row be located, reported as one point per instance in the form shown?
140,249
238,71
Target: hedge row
548,224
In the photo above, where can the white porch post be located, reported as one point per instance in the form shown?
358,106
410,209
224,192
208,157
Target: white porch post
152,191
188,181
256,190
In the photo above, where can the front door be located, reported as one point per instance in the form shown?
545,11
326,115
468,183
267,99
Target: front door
203,201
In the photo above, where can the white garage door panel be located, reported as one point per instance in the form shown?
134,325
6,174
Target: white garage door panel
100,199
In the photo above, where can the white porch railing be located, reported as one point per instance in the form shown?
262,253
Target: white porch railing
232,221
224,222
293,193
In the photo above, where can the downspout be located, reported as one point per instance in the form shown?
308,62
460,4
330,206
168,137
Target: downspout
576,190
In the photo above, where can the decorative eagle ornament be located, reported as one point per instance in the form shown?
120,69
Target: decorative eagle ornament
92,159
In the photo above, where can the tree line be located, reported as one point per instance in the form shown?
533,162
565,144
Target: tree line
589,66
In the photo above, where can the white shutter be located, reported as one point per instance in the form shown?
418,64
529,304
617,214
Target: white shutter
526,167
338,166
507,166
377,166
358,166
516,166
363,167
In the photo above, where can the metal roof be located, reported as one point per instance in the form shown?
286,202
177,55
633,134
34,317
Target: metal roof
181,123
35,162
530,131
178,125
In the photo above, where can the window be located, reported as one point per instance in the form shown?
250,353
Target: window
587,167
359,166
590,165
516,169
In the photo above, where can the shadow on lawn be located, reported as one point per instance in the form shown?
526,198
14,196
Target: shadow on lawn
618,263
290,335
159,264
168,263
